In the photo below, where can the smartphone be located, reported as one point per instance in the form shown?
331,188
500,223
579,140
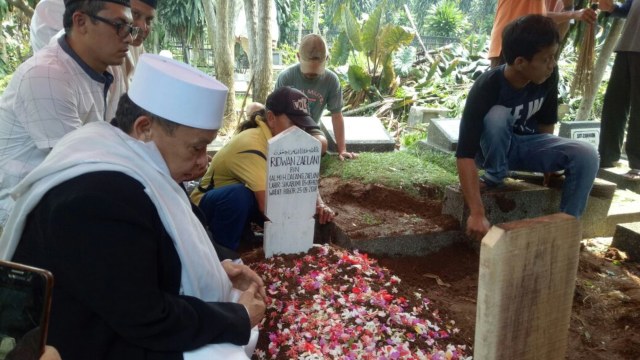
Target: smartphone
25,302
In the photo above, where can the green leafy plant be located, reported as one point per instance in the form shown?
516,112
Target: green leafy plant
446,19
288,53
370,46
403,60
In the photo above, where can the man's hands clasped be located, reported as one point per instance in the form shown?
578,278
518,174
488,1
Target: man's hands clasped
253,291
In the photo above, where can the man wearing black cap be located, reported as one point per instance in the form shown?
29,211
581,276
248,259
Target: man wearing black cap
232,192
60,88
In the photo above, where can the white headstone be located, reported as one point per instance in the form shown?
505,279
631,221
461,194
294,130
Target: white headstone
293,174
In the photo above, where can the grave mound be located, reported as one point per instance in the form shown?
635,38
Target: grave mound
334,303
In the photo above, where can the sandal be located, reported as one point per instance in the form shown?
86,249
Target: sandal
633,175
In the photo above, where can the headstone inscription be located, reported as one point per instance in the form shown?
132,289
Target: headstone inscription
293,175
587,131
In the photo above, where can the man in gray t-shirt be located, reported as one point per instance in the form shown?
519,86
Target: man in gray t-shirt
321,86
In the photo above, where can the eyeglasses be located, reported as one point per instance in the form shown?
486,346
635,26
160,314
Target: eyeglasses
122,29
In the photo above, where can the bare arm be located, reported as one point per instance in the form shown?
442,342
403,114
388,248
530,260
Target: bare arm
325,214
587,15
338,129
477,223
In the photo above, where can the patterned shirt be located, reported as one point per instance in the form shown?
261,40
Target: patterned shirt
50,94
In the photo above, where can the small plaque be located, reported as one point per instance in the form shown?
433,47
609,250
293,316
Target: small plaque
587,131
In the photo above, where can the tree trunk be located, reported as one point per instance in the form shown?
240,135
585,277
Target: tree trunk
264,55
185,48
584,111
300,21
156,42
250,11
3,53
210,13
224,53
22,6
316,18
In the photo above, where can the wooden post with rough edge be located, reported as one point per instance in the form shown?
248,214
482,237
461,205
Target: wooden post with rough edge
525,288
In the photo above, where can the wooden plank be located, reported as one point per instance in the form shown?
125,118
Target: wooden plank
525,291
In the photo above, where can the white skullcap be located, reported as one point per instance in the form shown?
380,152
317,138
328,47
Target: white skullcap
178,92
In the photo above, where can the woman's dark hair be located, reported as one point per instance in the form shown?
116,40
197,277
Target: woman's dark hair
526,36
85,6
128,112
252,122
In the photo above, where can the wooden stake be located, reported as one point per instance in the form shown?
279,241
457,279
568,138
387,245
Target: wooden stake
525,291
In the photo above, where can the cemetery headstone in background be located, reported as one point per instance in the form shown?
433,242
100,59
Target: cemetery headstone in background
293,174
442,135
362,134
423,115
627,239
587,131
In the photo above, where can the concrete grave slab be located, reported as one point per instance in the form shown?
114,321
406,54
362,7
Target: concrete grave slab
442,135
616,175
362,134
293,173
627,239
516,200
598,206
424,115
587,131
399,245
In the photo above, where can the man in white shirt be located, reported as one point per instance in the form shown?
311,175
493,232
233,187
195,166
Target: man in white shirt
143,13
61,88
46,24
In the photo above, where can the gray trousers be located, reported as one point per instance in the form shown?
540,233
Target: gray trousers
621,103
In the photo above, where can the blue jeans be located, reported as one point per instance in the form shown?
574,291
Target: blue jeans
502,150
230,210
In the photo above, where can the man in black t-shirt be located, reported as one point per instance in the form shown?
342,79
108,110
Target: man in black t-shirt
509,119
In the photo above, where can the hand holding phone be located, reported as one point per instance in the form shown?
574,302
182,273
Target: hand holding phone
25,301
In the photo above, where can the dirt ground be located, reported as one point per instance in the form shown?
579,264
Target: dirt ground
605,322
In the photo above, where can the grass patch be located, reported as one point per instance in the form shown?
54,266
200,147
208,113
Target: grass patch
408,170
370,219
